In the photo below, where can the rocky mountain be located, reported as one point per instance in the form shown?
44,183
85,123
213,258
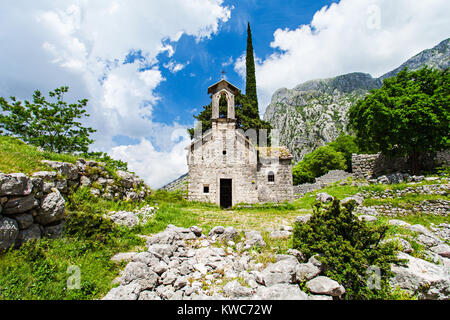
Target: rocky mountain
315,112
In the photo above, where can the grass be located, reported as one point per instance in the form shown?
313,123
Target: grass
17,156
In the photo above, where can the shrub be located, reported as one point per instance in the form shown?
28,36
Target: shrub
347,248
347,146
318,163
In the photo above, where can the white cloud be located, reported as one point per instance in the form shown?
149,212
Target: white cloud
156,167
372,36
175,67
84,44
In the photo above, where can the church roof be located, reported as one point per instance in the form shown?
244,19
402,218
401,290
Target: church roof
233,88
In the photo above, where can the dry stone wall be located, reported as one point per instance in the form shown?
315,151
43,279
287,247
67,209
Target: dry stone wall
32,207
367,166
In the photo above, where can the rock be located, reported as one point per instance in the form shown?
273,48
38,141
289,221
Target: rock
140,273
432,280
235,290
420,229
279,234
147,258
149,296
324,285
229,234
95,192
52,208
124,218
127,292
168,277
369,211
281,292
9,230
126,179
324,197
315,260
283,271
254,238
196,230
20,205
303,219
54,231
306,271
367,218
15,184
358,200
45,175
180,283
216,231
68,170
399,223
123,256
162,249
85,181
32,233
428,241
296,253
404,244
24,220
319,297
442,249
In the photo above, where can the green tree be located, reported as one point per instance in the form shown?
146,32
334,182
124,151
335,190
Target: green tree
346,145
408,116
348,249
250,89
318,163
52,126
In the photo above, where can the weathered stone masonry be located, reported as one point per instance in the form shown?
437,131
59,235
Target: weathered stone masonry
34,207
226,168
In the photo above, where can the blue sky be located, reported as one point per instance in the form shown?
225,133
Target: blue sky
184,93
145,65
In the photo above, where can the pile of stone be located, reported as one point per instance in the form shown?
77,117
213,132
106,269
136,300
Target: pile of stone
396,178
30,208
131,219
34,207
184,264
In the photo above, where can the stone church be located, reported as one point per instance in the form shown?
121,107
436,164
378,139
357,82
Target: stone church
226,168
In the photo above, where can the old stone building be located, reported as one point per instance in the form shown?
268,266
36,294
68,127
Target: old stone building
226,168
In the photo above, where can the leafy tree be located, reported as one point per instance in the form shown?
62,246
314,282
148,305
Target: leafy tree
250,89
346,145
318,163
52,126
408,116
347,248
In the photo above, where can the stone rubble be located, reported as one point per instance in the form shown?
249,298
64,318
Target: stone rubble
185,264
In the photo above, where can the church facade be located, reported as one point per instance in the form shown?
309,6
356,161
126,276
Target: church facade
226,168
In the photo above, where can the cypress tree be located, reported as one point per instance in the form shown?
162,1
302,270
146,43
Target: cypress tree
250,90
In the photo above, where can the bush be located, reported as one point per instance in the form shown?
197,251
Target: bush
347,146
347,248
318,163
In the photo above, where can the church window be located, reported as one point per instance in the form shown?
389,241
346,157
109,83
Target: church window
271,176
205,189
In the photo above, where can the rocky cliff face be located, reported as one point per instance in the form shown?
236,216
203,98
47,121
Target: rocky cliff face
315,112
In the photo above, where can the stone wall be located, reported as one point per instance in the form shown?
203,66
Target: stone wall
34,207
367,166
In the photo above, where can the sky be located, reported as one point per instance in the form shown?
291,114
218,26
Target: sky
145,65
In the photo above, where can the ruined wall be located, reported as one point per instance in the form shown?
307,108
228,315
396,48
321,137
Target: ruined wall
367,166
32,207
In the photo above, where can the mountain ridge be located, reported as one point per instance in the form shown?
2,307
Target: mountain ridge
315,112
